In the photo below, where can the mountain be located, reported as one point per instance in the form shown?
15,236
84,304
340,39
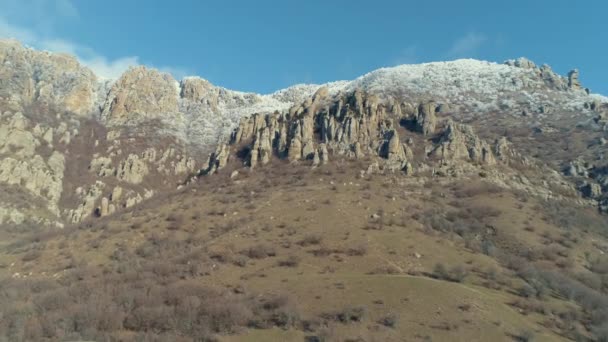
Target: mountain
470,192
146,132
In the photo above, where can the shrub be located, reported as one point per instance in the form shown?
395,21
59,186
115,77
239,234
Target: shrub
526,336
358,250
311,239
390,320
455,274
259,251
386,269
290,261
347,315
31,255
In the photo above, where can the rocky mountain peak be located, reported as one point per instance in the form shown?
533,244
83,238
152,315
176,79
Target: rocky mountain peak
139,94
46,80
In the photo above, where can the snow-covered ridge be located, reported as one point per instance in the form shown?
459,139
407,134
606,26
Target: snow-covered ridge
469,85
197,111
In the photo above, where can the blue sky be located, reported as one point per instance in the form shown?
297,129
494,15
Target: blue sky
266,45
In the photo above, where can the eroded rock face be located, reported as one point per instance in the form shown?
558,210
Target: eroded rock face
356,125
88,198
199,90
23,165
140,94
522,63
46,80
426,120
218,159
132,170
459,142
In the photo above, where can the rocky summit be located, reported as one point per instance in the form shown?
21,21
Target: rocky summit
197,206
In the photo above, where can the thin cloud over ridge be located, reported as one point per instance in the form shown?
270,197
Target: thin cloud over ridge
467,45
48,11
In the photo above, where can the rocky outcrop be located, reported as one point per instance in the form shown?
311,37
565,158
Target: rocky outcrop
578,168
141,94
552,79
41,80
573,81
521,63
591,190
88,198
217,159
132,170
198,90
592,180
395,152
459,142
426,121
21,163
355,125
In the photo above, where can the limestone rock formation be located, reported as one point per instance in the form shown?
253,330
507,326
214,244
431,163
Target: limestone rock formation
426,120
199,90
522,63
218,159
22,165
88,198
30,78
459,142
132,170
573,81
141,93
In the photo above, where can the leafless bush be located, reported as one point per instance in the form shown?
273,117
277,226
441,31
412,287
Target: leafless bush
311,239
259,251
358,250
31,255
346,315
385,269
389,320
454,274
290,261
467,191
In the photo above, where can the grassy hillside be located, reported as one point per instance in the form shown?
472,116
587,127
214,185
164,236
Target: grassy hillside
288,253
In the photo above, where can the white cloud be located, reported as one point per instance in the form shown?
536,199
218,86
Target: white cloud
105,68
66,8
48,11
177,72
407,55
10,31
467,46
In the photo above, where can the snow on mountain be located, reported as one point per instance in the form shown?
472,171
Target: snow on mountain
471,86
201,113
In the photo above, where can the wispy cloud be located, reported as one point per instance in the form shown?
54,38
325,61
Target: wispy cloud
45,14
407,55
467,45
